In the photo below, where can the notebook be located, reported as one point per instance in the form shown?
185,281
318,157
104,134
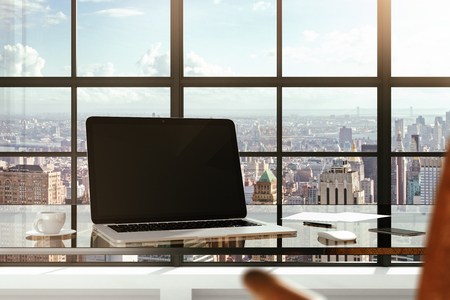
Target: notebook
167,179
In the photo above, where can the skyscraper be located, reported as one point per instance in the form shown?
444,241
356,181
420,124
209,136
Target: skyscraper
399,126
30,185
370,167
415,146
356,164
398,174
257,166
345,135
340,185
430,174
413,182
420,120
367,186
265,189
313,192
437,133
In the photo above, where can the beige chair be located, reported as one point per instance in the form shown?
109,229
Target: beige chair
435,278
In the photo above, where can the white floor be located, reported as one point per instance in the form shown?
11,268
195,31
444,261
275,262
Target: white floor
151,283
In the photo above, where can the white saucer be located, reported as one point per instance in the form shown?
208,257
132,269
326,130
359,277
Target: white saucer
62,232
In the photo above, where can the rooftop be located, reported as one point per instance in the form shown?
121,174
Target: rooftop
267,176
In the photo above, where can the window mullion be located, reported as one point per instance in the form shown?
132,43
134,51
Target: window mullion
384,123
176,58
73,120
279,123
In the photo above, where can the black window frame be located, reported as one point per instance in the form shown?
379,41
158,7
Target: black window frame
383,82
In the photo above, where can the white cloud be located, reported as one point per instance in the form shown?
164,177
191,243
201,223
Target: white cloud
155,64
217,1
195,65
54,19
336,52
19,60
420,45
118,12
327,97
359,45
109,95
26,6
124,101
261,5
96,1
226,102
97,70
12,12
271,53
310,35
253,56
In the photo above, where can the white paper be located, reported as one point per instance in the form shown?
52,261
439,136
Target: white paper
334,217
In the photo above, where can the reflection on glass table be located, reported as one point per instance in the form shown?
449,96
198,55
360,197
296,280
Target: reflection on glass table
266,213
308,236
328,242
17,220
411,217
51,241
408,217
100,241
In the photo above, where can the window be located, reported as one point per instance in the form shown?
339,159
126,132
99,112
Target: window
330,100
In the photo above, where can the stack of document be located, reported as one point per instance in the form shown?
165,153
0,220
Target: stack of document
334,217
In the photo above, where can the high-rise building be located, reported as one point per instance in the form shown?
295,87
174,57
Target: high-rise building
265,191
430,174
367,186
356,164
412,129
256,132
413,182
340,185
304,175
398,174
420,120
30,185
257,167
415,146
81,195
313,192
345,135
399,142
370,168
437,133
399,125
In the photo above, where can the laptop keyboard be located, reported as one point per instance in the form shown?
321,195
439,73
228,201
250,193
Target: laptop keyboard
181,225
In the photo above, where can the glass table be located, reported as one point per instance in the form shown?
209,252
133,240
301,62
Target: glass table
16,221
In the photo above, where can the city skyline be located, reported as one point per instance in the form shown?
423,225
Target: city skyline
51,132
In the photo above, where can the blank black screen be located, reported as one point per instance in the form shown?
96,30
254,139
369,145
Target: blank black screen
152,169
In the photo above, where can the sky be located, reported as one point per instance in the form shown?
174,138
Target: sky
223,38
420,43
132,38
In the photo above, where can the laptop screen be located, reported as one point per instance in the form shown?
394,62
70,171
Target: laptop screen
154,169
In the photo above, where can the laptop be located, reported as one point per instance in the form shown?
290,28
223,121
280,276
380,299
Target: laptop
154,179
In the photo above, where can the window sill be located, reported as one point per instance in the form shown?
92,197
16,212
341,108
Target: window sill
189,283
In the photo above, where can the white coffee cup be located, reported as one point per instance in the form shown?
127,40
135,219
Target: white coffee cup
49,222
